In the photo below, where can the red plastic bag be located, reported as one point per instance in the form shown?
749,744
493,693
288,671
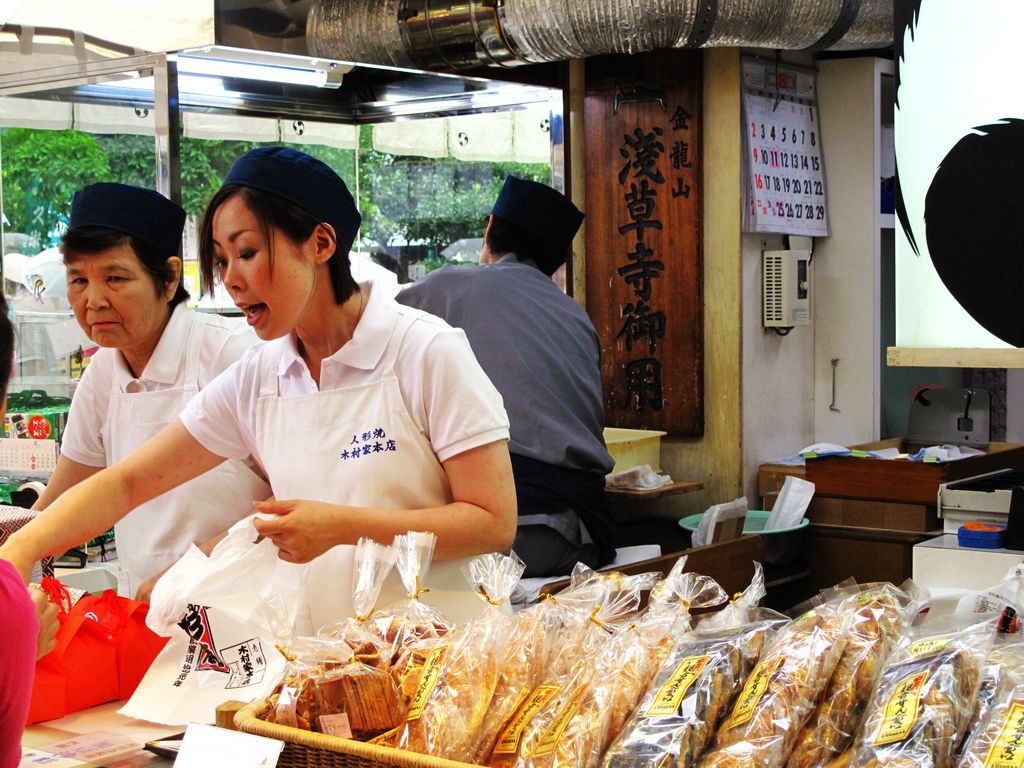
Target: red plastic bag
103,650
137,646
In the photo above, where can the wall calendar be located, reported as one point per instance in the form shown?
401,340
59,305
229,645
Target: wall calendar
784,169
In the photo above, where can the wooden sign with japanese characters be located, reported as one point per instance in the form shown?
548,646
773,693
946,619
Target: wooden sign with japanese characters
643,236
783,167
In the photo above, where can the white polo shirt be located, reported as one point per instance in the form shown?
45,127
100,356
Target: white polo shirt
223,340
446,392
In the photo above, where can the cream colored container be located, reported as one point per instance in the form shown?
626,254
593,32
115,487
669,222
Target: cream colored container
631,447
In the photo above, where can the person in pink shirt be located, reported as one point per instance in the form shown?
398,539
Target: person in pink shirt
29,628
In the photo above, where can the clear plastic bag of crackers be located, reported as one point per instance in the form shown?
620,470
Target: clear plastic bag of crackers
411,622
926,696
879,616
371,564
622,670
742,608
448,709
1002,672
629,662
998,741
781,691
668,617
556,724
523,662
695,685
328,689
610,594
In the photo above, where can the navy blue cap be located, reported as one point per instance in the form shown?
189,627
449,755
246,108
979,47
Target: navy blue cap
303,181
540,210
138,212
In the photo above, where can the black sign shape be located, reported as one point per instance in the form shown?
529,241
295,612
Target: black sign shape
972,213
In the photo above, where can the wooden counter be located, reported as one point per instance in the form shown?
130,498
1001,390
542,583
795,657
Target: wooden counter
102,719
645,494
900,479
868,514
730,563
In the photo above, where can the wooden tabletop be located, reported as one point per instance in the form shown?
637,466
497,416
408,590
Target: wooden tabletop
676,486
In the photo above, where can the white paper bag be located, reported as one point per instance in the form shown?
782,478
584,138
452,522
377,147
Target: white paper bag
791,504
224,615
713,515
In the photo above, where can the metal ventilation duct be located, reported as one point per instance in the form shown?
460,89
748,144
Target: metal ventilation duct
460,34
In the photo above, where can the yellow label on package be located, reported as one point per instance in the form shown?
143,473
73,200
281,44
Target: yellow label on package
670,695
901,711
431,673
753,690
529,705
1007,751
549,740
927,647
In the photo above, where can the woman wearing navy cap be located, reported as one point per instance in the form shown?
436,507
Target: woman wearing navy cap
124,285
370,419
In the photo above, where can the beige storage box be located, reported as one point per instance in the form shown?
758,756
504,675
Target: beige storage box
630,447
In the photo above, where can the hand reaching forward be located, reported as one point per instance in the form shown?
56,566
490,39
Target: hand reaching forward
302,530
46,612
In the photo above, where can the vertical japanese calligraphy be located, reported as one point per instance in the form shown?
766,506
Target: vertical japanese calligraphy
643,205
784,169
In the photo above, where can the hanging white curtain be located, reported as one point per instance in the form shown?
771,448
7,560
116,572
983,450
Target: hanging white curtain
419,138
531,135
481,137
298,131
99,118
34,113
199,125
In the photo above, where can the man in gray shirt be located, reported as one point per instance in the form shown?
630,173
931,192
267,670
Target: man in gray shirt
541,351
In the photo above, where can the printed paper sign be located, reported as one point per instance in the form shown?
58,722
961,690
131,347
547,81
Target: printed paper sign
206,746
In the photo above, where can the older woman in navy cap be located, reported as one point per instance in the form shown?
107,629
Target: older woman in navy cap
124,285
541,351
370,419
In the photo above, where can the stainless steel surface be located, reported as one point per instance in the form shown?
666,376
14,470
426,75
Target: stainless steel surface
454,35
366,94
168,130
469,33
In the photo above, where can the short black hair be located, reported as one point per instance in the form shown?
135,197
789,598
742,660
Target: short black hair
6,347
86,241
273,213
505,237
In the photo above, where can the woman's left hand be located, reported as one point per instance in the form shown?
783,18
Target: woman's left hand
302,530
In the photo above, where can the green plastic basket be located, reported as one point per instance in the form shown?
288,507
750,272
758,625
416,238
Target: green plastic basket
781,545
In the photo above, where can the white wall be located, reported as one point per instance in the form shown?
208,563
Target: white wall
778,377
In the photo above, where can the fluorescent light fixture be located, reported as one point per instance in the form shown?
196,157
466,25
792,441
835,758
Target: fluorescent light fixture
508,97
246,70
207,86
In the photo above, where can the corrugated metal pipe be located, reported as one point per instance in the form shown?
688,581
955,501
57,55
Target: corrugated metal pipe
460,34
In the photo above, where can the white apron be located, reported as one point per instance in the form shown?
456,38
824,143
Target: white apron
356,446
157,533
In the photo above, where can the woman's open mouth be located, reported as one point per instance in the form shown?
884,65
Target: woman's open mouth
253,312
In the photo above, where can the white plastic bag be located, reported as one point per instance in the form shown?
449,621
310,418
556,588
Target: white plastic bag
1009,593
224,615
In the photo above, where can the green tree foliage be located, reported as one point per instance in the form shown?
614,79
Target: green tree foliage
42,170
428,200
411,199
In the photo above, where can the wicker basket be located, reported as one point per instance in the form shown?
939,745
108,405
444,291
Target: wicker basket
304,748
